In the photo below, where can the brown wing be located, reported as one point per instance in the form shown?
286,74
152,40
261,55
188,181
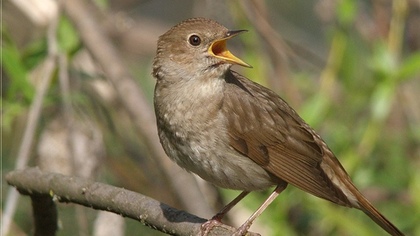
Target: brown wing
266,129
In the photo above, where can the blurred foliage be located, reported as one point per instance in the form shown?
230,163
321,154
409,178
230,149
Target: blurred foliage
355,101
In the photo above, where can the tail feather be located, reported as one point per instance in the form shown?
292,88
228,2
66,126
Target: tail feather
376,216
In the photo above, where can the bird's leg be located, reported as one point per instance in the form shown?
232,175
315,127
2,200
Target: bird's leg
216,219
229,206
245,226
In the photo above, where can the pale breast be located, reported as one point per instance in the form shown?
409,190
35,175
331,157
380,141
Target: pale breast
192,131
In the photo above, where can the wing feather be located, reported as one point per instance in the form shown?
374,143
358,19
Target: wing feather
267,130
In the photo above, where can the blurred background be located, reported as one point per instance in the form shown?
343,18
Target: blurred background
350,68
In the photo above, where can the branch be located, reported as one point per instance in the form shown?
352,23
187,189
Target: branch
157,215
45,215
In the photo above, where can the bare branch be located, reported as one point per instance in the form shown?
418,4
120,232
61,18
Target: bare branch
45,215
148,211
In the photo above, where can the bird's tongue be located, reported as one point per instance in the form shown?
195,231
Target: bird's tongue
219,49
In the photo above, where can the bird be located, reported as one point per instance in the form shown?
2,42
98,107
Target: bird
236,133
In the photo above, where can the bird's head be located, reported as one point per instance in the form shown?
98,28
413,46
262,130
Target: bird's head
197,45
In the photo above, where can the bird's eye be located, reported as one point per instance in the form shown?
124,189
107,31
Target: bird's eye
194,40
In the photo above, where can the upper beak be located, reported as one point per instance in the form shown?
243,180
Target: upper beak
218,49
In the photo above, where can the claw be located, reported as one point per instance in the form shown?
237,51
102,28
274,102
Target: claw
208,225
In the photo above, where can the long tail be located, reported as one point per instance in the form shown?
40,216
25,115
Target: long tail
376,216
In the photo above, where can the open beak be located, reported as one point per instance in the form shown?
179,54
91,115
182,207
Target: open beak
218,49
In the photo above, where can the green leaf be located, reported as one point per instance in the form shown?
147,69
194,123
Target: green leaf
382,100
410,67
35,53
10,112
382,62
16,71
346,11
67,36
12,62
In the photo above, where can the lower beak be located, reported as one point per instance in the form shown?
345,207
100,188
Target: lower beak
218,49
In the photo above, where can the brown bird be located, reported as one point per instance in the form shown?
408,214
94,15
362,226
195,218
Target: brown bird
236,133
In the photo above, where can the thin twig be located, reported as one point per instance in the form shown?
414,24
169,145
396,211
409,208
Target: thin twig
278,50
45,215
33,117
69,117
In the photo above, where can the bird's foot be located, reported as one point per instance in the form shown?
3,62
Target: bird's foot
241,231
208,225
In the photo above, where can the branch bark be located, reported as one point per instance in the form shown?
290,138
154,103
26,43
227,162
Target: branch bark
45,215
71,189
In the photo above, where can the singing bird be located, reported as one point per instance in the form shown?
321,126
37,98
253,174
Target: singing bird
234,132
